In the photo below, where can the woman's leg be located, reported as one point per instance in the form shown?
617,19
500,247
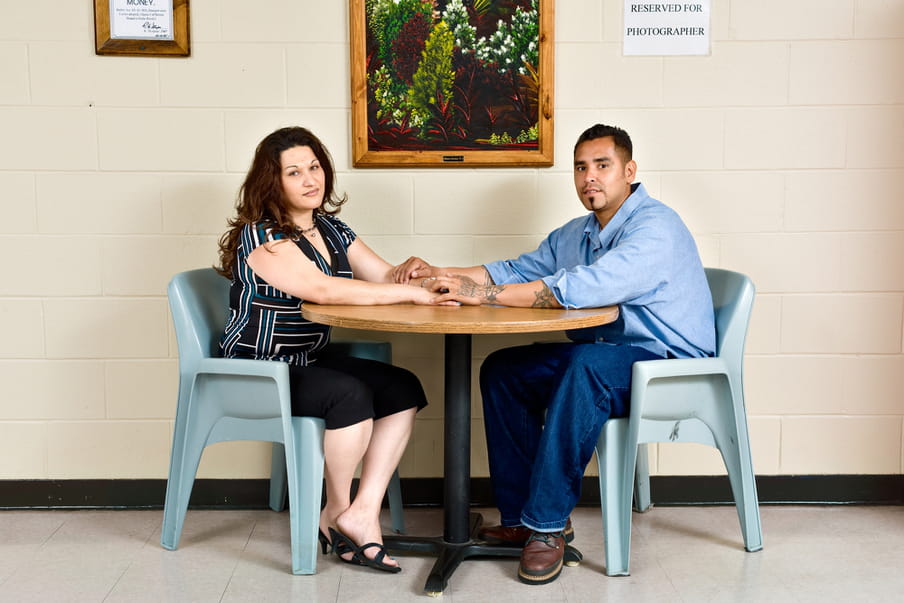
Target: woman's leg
397,395
346,405
361,521
343,450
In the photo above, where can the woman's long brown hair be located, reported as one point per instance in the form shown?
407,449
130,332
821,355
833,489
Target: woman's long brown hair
261,198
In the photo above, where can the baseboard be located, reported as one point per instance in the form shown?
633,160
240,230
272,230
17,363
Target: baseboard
129,494
428,492
781,489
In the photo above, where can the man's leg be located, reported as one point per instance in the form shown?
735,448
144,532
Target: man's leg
593,385
516,384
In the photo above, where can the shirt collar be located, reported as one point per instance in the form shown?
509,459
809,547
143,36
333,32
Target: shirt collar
635,199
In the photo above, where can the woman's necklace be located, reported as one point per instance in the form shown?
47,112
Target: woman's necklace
310,231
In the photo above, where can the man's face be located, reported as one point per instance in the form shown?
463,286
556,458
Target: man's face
602,179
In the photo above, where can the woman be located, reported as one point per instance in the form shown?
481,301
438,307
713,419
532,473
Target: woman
286,246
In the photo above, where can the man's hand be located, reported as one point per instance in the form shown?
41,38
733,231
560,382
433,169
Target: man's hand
465,290
413,267
462,289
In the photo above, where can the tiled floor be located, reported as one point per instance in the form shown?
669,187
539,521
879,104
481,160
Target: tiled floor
679,554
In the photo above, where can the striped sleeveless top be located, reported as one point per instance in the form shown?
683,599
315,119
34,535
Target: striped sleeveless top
266,324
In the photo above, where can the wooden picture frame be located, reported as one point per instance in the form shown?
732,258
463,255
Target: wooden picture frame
496,65
174,42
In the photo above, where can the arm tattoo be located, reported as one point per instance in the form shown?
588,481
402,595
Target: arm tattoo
488,280
470,288
545,298
490,291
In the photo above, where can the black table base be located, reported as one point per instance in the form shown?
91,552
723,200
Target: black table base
459,540
449,555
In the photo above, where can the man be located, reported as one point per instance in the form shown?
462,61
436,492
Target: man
545,404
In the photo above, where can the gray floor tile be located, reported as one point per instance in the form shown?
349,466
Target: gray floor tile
686,554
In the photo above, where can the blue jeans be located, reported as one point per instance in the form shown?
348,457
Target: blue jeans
544,406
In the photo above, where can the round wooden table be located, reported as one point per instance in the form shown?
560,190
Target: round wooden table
409,318
458,324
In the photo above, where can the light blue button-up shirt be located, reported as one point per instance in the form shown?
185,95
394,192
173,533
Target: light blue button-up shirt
644,260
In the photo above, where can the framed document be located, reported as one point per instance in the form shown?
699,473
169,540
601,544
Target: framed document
457,83
141,27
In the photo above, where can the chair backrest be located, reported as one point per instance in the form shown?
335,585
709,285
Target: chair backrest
199,302
732,294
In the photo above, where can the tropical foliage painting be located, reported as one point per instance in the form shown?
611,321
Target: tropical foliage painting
452,74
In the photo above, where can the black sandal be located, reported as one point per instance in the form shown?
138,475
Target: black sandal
325,545
341,548
346,544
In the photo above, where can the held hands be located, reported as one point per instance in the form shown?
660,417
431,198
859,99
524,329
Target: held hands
413,268
425,294
443,287
461,289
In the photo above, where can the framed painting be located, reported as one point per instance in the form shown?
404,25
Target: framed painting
463,83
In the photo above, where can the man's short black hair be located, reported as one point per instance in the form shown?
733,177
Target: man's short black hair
622,141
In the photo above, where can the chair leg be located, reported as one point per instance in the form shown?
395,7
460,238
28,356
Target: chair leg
615,494
728,424
189,440
279,489
394,492
739,465
304,461
183,467
642,502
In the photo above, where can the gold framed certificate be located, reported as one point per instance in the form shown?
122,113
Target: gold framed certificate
141,27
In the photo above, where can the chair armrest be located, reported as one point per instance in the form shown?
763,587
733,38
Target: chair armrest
245,367
678,367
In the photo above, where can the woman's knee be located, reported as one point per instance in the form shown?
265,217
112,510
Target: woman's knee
403,391
351,389
350,401
406,381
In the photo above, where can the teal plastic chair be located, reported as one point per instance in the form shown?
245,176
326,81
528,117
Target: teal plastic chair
683,400
225,399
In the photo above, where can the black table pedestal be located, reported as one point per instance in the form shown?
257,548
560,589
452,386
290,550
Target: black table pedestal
460,526
449,555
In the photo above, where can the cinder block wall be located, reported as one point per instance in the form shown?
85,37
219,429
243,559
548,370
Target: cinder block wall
782,151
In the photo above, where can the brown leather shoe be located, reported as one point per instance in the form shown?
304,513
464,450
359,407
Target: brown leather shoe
542,558
516,535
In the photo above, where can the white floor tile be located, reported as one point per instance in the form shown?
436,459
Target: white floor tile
812,553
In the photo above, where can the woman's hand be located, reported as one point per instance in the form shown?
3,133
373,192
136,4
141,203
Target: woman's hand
413,267
425,296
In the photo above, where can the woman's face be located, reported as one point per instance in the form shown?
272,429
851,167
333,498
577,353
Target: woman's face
302,181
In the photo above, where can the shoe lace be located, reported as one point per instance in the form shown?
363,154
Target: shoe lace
547,538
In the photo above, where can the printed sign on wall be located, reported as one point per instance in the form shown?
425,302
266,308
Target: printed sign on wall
667,28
